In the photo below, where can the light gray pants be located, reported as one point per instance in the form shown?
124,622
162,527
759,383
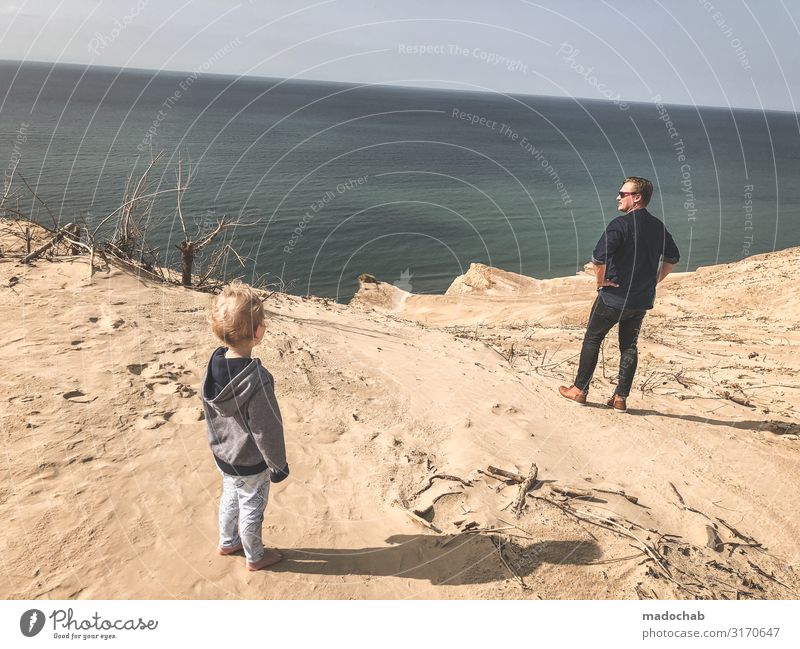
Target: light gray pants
241,513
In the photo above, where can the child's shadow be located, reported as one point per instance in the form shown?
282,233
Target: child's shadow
454,560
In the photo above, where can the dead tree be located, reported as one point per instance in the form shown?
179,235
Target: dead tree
191,247
127,244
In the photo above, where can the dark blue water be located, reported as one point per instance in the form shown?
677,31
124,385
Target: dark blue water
410,185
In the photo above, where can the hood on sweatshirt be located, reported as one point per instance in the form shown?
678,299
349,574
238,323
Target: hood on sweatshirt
230,382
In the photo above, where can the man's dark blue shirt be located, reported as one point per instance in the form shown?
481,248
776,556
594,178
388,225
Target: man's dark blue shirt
632,248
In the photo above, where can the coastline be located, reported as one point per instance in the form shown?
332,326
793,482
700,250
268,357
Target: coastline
110,490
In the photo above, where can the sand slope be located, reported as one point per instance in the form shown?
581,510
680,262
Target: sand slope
109,490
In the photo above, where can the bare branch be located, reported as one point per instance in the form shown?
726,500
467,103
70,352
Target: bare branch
180,191
126,203
36,196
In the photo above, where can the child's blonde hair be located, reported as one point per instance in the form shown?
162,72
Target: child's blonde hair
236,313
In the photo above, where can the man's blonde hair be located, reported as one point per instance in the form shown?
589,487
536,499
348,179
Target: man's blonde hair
643,187
236,313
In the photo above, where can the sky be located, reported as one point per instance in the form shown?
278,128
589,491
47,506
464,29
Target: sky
728,53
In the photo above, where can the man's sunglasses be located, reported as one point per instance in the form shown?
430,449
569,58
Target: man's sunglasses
624,194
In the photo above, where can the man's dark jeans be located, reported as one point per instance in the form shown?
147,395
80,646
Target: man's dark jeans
601,320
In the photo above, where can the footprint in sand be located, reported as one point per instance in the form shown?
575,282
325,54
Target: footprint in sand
502,408
136,368
185,391
151,421
26,398
163,387
107,323
185,416
181,355
76,396
162,378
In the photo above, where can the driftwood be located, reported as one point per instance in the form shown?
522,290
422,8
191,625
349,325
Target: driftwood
610,524
515,478
628,497
505,481
420,521
742,401
427,510
443,476
571,492
43,249
524,488
714,542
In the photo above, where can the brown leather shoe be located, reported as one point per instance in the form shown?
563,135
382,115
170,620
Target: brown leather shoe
617,403
270,558
574,394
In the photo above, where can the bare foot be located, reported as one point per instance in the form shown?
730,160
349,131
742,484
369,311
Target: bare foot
270,558
231,550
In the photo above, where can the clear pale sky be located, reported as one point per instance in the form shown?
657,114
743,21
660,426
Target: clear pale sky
718,53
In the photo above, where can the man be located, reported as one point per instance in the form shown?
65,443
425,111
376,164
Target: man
634,254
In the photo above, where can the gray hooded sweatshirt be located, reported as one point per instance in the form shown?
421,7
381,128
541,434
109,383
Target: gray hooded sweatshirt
245,428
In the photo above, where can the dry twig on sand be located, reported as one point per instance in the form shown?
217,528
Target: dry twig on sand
57,236
572,492
443,476
419,520
498,543
524,488
513,478
678,494
628,497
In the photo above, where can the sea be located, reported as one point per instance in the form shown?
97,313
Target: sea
320,182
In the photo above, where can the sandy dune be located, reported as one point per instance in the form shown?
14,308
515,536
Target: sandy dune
109,490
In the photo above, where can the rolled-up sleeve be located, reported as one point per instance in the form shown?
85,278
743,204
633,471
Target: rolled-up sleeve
609,243
671,253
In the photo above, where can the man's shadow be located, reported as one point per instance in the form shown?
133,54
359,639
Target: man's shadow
766,425
441,559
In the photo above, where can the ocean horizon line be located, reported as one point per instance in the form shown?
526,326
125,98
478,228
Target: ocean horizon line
395,86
